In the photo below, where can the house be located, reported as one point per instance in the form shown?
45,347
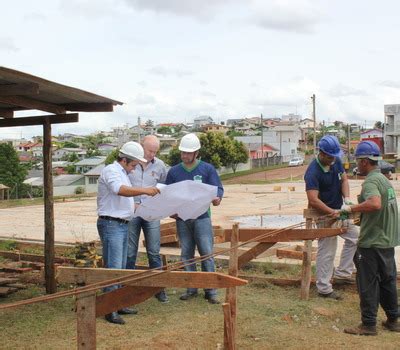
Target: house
62,185
375,135
37,150
200,121
87,164
258,152
392,129
215,128
92,178
61,153
291,118
106,148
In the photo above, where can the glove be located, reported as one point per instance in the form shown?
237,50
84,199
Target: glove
348,201
345,208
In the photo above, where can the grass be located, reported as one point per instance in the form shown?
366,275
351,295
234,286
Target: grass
269,317
251,171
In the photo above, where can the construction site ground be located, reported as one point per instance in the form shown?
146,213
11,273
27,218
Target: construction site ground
75,220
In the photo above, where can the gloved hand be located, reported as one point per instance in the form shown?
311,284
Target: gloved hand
348,201
345,208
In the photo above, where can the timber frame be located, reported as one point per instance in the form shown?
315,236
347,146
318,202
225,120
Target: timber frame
20,92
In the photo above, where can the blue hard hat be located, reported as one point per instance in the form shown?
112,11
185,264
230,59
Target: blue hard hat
330,145
368,149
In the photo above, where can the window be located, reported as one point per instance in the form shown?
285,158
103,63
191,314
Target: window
92,180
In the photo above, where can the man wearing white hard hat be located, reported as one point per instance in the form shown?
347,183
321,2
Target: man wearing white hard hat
196,232
115,207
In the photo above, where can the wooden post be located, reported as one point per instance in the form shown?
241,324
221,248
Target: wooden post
231,293
228,327
306,268
86,321
49,270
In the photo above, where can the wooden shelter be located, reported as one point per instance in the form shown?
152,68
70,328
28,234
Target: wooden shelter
21,91
4,192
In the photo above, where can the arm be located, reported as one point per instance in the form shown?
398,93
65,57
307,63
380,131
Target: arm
345,186
216,181
372,203
316,203
127,191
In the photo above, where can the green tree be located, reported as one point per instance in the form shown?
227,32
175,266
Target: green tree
12,173
378,125
112,156
164,130
69,144
239,154
174,156
73,157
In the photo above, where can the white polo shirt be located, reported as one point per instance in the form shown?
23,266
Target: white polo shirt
109,203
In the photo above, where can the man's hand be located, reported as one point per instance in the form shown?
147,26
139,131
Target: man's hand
151,191
348,201
345,208
216,201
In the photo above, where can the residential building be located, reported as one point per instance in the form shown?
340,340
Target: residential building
392,129
62,185
215,128
106,148
202,120
92,178
87,164
59,154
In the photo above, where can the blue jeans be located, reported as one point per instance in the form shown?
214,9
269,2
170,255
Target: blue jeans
114,238
197,233
151,230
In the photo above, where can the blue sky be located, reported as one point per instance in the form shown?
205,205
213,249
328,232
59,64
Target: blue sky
172,60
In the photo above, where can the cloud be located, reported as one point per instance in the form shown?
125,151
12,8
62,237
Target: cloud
89,9
7,44
35,17
165,72
299,16
199,9
142,83
390,84
142,99
341,90
208,94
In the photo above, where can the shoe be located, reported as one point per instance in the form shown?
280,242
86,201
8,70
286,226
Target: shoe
212,299
162,297
392,326
114,318
127,311
340,281
362,330
332,295
187,296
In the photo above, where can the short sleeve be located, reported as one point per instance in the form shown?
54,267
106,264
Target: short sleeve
311,181
370,189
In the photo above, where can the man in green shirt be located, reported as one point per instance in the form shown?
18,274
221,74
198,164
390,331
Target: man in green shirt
379,234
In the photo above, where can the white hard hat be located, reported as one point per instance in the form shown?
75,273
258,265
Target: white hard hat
189,143
132,150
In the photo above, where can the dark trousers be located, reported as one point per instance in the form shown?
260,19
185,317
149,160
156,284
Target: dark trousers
376,283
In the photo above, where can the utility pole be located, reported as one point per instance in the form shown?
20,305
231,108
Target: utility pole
315,126
262,141
348,144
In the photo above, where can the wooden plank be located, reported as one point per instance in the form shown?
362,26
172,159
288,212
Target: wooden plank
246,234
89,107
166,279
292,254
228,340
168,231
123,297
16,269
49,269
6,113
40,120
7,280
306,266
86,321
252,253
29,103
4,291
219,239
17,285
168,239
33,257
19,89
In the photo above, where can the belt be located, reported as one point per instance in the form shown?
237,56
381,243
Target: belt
122,221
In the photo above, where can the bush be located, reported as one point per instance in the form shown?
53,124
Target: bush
79,190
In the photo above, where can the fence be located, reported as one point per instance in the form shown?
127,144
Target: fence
262,162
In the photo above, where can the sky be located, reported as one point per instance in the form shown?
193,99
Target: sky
173,60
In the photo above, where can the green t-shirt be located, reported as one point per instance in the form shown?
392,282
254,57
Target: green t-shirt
379,229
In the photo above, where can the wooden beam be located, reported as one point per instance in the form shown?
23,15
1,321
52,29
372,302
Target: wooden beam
89,107
123,297
86,321
228,339
6,113
292,254
252,253
33,257
306,266
19,89
29,103
245,234
166,279
40,120
49,269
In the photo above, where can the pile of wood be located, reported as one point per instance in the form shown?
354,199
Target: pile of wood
9,285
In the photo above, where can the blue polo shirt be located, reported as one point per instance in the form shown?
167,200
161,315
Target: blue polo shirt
202,172
328,183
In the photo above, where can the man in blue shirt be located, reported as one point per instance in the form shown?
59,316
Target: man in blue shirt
197,232
326,186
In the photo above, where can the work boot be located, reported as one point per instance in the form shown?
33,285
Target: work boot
212,299
127,311
391,325
341,281
361,329
162,297
114,318
332,295
188,295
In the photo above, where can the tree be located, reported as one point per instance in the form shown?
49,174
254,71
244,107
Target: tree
239,154
69,144
378,125
12,173
112,156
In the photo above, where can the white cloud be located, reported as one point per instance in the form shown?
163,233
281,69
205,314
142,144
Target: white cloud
390,84
165,72
7,44
341,90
